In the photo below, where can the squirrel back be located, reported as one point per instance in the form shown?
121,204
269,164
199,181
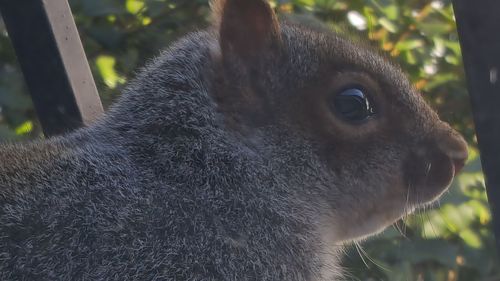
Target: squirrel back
253,150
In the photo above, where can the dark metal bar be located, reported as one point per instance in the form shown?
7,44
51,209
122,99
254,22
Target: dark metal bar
51,56
478,25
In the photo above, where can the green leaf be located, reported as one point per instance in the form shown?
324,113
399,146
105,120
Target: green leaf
440,79
391,12
106,65
409,44
134,6
433,28
454,46
388,25
471,238
24,128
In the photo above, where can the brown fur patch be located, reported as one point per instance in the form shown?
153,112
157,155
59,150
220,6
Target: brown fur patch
248,32
247,27
217,7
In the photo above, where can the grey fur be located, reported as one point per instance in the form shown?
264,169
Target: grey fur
162,188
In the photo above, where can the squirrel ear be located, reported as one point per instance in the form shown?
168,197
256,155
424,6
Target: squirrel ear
246,27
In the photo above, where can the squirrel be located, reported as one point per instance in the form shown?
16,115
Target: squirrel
253,150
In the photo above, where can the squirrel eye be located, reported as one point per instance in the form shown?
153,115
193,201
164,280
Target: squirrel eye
353,105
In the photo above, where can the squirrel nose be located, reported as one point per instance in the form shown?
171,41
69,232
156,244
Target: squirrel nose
451,143
435,161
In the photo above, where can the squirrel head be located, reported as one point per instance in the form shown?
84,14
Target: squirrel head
384,149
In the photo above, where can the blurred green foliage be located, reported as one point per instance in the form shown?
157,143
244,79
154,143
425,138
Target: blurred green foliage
450,243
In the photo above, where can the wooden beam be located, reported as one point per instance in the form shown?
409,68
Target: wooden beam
53,61
478,24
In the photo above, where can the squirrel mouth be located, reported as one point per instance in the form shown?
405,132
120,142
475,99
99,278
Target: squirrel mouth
429,175
458,166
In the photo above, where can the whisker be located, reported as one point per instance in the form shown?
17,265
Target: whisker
431,224
428,170
398,229
372,260
407,209
357,246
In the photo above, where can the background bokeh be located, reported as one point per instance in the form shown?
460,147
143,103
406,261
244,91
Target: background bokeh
452,241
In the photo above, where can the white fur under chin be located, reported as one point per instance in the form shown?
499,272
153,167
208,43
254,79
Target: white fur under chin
335,234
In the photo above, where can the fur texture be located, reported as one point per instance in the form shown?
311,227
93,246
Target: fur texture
219,163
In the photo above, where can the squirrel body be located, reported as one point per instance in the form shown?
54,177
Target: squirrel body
222,160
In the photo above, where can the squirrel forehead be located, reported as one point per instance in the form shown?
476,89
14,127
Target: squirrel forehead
324,50
329,49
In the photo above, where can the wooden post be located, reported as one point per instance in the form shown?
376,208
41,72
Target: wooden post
478,24
53,61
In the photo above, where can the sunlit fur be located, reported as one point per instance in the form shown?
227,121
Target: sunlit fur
215,166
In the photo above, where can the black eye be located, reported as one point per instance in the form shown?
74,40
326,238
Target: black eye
353,105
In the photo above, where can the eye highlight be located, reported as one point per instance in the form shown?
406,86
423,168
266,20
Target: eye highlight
353,105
